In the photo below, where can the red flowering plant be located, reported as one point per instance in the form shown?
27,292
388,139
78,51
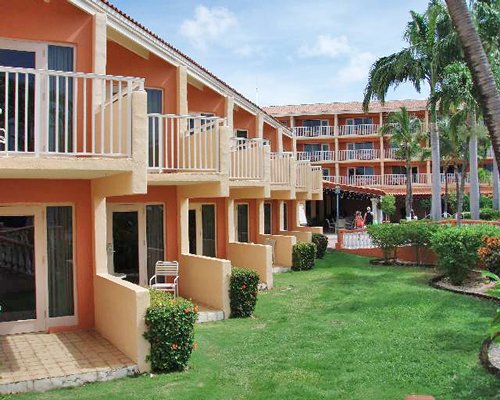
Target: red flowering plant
489,254
243,290
170,331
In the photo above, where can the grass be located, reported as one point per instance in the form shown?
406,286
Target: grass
345,330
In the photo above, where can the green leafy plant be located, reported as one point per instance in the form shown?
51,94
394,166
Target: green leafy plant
489,254
457,248
494,330
170,331
303,255
418,234
388,205
387,237
489,214
243,288
321,242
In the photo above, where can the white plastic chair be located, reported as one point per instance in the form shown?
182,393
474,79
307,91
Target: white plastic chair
166,269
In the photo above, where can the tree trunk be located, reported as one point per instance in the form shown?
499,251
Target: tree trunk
436,163
457,189
445,190
460,196
496,187
474,178
489,96
409,194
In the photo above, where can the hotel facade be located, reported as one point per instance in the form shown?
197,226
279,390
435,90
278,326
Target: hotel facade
117,151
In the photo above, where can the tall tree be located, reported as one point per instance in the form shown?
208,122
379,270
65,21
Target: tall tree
431,46
406,138
477,60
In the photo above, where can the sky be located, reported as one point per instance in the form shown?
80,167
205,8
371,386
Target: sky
279,52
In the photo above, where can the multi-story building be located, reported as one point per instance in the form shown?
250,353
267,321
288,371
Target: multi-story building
345,141
116,151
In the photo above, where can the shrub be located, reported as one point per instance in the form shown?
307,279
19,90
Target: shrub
243,288
489,254
388,204
418,234
321,242
170,331
387,237
303,255
494,330
457,248
466,215
489,214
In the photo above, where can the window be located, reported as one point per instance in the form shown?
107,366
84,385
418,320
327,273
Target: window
241,134
311,148
361,171
154,106
202,230
402,170
311,123
154,237
360,146
242,222
60,261
268,218
208,229
285,216
359,121
326,172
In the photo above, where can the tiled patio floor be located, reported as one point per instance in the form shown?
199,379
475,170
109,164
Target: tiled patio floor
41,361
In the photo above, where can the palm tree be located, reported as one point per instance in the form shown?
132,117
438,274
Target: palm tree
406,137
477,60
431,45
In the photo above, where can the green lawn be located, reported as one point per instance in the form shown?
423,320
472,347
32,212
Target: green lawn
346,330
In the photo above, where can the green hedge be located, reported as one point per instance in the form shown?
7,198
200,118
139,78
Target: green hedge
387,237
489,214
243,290
170,331
303,255
457,248
321,242
419,235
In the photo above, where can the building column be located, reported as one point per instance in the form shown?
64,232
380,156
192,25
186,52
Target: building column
377,212
182,99
280,140
183,227
259,125
231,233
292,122
260,216
229,112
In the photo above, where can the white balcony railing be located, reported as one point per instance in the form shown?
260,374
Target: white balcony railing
359,180
66,113
391,154
316,178
450,178
303,176
316,156
361,130
248,158
362,154
313,131
281,168
357,240
183,143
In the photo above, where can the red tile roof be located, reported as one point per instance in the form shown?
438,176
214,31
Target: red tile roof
347,107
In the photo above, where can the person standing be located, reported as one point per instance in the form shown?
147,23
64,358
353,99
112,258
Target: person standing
368,218
359,222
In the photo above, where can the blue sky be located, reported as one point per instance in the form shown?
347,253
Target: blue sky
284,51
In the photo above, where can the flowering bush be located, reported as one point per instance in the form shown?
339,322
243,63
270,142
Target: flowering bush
321,242
303,255
170,331
489,254
243,289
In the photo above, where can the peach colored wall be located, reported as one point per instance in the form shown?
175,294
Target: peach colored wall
408,254
242,119
158,73
206,101
168,196
77,193
287,143
271,134
56,22
221,222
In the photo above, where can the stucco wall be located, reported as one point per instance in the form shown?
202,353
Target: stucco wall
255,257
282,249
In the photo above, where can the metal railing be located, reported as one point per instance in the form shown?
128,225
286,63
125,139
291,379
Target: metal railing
313,131
361,130
248,158
66,113
184,143
361,154
281,168
316,156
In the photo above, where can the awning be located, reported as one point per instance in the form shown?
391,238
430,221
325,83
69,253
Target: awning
353,189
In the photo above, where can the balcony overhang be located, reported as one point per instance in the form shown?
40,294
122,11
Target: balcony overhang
185,178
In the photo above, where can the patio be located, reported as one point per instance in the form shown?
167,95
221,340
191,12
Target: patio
43,361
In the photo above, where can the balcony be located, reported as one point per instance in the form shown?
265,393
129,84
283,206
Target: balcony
359,130
304,132
389,179
248,159
304,175
68,114
316,156
184,143
281,168
362,155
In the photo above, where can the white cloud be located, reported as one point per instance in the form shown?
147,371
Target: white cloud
208,25
326,45
358,67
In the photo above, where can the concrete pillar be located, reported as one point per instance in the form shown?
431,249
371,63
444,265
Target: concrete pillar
260,216
182,98
280,140
292,122
100,49
231,233
377,212
229,112
259,125
280,215
183,226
